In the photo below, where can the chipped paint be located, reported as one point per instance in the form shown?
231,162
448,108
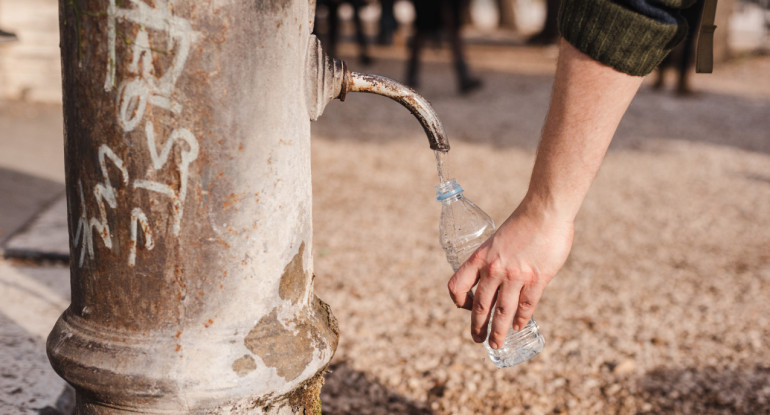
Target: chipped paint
294,280
244,365
288,353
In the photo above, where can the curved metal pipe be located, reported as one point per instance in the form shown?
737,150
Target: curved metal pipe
415,103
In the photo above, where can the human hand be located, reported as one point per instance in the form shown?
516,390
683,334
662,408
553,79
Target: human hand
511,269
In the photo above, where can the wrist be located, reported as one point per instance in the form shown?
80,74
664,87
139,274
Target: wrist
549,206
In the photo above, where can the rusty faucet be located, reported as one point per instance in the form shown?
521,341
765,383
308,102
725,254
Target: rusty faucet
333,79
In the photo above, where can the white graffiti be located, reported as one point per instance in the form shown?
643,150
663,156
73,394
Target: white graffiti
83,230
134,94
143,89
159,160
139,219
160,19
103,192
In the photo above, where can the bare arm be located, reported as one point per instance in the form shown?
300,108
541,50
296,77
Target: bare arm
520,259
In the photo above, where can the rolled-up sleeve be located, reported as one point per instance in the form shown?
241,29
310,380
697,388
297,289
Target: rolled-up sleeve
632,36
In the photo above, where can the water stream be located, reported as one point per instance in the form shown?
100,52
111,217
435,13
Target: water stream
442,164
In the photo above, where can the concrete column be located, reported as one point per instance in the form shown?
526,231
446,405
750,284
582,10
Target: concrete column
189,200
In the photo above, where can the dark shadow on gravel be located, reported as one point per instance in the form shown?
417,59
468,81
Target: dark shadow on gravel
349,391
65,404
705,391
510,109
22,196
718,119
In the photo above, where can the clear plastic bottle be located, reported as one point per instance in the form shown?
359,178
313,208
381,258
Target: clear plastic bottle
462,229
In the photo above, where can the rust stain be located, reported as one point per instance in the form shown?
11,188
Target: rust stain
222,242
208,323
294,279
178,334
178,347
232,200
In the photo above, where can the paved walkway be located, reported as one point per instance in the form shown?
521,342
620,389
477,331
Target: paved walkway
32,225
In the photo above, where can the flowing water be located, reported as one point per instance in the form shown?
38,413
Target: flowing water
442,164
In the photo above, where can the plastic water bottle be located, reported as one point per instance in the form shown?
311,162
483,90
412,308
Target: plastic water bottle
462,229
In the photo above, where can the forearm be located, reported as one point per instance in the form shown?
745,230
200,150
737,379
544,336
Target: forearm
588,101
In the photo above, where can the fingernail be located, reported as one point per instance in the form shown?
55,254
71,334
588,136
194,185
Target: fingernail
493,345
516,328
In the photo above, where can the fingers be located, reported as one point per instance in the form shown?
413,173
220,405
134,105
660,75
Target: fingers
530,295
486,294
507,295
461,283
505,309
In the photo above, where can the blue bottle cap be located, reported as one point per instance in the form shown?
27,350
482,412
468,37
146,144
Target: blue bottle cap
448,189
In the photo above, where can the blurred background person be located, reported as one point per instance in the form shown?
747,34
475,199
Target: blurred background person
333,28
388,23
550,32
682,56
431,16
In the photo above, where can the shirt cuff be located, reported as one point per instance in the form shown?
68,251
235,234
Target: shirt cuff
616,36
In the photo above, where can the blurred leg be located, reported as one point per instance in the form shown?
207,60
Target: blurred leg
413,65
334,23
454,10
363,54
426,20
692,15
387,23
550,32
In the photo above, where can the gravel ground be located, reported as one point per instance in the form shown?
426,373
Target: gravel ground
662,306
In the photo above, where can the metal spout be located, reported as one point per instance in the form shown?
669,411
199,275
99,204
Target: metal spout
414,102
329,78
